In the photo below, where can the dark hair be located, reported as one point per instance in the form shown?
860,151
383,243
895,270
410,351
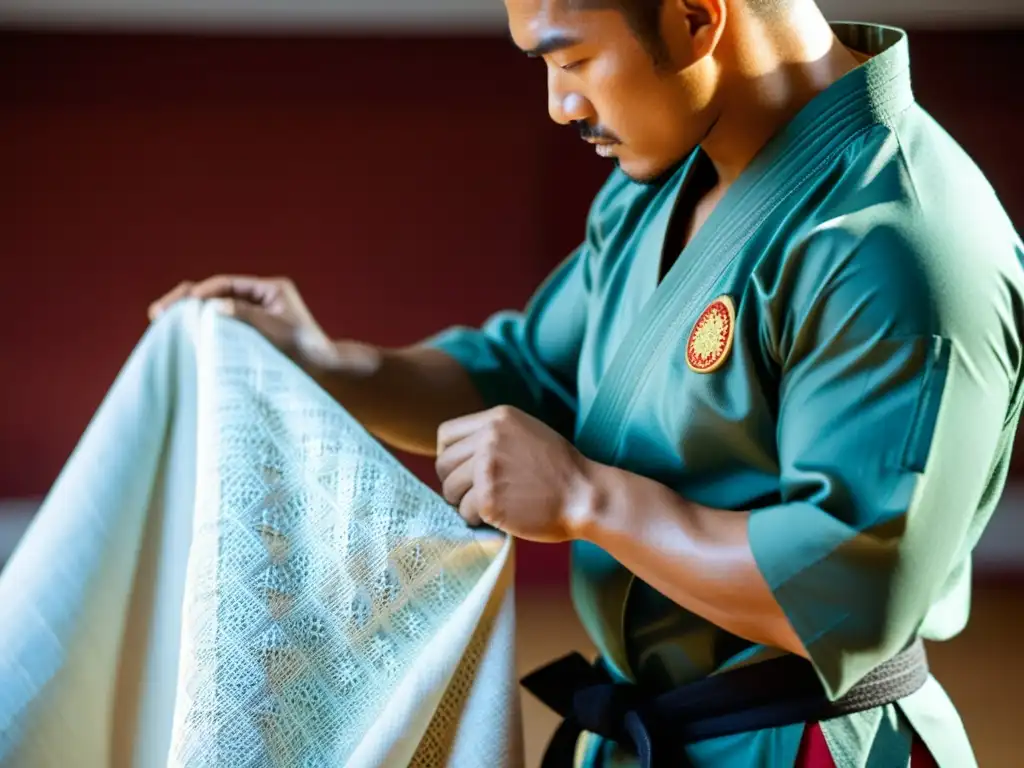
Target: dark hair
644,17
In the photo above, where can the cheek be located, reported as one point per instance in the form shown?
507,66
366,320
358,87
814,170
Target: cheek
644,113
615,101
626,92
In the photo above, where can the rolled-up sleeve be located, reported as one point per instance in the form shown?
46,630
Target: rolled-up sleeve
895,412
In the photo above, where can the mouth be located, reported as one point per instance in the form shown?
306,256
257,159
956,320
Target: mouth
604,147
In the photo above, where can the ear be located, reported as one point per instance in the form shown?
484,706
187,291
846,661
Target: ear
692,29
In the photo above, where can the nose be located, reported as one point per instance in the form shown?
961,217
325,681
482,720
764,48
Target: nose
566,105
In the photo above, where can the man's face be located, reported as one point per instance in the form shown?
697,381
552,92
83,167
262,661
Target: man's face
644,114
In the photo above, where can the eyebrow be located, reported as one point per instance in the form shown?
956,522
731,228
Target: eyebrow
551,42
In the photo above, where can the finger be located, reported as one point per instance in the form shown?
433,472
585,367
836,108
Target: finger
458,483
256,290
451,432
272,328
455,455
161,305
469,508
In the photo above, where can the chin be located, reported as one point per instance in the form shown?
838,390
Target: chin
646,172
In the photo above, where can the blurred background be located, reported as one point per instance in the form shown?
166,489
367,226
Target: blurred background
394,158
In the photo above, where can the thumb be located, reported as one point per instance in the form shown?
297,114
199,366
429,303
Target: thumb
278,332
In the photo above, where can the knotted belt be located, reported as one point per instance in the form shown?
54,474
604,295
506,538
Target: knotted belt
769,694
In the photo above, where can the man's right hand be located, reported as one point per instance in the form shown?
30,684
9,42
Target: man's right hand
271,305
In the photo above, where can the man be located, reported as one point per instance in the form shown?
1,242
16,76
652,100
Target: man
770,399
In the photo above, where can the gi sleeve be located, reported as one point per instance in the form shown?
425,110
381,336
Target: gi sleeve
528,359
899,367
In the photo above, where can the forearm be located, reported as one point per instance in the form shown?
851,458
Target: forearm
699,558
401,396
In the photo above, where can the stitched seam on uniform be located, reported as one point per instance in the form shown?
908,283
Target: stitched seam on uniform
684,316
840,756
726,238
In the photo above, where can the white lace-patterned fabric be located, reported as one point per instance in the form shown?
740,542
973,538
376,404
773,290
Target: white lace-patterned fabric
322,607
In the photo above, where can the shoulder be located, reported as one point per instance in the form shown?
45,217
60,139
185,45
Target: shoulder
864,277
860,283
910,241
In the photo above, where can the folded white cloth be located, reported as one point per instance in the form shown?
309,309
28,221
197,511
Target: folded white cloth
231,572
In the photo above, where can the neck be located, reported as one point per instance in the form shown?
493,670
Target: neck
779,67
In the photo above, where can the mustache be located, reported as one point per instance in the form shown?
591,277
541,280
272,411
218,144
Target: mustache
590,132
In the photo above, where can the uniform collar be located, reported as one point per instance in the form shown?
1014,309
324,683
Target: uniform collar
872,95
881,85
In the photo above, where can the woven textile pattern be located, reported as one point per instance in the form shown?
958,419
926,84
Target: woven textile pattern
334,611
326,567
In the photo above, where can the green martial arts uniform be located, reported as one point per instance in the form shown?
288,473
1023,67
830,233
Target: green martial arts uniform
838,350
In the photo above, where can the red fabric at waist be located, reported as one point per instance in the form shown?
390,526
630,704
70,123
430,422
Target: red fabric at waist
814,751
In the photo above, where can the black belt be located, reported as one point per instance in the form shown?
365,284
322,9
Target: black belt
769,694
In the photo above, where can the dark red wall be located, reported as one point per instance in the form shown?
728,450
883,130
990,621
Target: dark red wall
404,185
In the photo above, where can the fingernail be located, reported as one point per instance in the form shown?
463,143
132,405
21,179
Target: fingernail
224,306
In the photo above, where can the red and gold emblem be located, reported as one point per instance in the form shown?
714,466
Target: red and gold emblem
711,339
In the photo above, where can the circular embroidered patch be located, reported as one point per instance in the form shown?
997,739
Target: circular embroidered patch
711,339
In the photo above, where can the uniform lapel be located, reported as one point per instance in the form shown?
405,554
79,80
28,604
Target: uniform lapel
793,159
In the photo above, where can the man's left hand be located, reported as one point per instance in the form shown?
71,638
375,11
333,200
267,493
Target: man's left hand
513,472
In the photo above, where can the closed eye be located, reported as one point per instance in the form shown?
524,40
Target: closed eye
573,65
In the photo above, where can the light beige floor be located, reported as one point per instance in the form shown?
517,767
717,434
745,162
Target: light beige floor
982,669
